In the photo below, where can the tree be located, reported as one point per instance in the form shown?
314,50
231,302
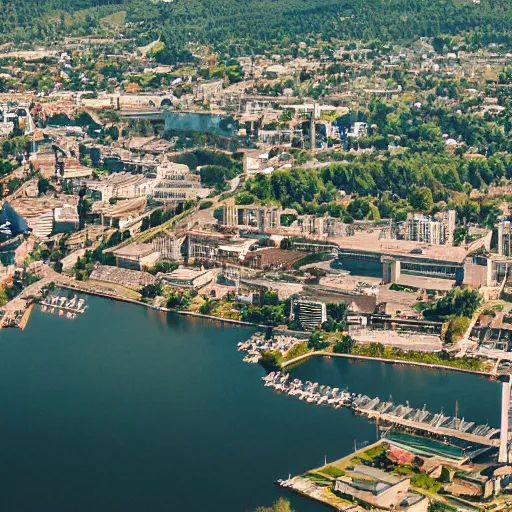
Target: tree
317,341
457,328
271,359
213,176
457,302
150,291
344,346
43,185
420,198
285,244
281,505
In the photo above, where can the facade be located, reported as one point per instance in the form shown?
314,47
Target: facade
136,256
310,313
381,490
122,185
207,92
65,219
264,219
169,246
213,246
504,238
175,183
435,231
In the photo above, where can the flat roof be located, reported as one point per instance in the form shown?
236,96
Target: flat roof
369,242
183,273
426,282
134,250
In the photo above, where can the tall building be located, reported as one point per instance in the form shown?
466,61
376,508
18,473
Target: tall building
310,313
504,453
437,230
504,238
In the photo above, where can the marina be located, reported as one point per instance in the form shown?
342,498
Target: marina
162,396
384,412
63,306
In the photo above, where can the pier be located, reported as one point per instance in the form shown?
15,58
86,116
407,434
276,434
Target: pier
63,304
386,412
421,419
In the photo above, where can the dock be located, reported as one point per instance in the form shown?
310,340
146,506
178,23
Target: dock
63,304
383,412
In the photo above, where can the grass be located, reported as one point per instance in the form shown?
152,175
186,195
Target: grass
116,19
420,357
318,479
332,471
296,351
370,455
425,482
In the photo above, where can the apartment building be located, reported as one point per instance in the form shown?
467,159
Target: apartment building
437,230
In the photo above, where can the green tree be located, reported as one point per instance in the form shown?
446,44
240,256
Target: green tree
281,505
420,198
344,346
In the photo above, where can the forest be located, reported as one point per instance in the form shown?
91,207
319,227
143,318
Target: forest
246,27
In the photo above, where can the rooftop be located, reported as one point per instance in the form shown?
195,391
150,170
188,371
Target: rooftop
369,242
185,274
134,251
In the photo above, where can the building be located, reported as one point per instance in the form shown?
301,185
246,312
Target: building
208,92
310,313
188,278
504,238
136,256
169,245
435,231
175,183
65,219
121,185
381,490
271,259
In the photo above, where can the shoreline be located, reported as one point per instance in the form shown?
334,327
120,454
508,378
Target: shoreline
291,362
305,357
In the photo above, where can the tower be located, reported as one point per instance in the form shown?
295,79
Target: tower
504,429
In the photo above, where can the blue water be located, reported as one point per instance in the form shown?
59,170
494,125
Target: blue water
127,409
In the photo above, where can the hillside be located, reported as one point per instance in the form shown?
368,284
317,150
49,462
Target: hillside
251,26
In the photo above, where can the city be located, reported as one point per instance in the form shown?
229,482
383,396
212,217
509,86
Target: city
333,199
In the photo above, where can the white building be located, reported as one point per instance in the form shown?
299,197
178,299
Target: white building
175,183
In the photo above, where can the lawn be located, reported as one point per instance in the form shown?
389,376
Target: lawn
332,471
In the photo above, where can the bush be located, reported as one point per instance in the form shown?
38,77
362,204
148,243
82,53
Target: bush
271,359
457,328
344,346
205,204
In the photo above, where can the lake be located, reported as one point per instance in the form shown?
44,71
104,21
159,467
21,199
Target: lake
126,408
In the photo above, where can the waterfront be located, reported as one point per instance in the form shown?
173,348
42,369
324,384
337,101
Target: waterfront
158,411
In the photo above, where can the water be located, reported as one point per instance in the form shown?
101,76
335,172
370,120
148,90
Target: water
130,409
